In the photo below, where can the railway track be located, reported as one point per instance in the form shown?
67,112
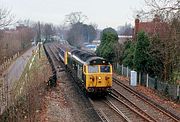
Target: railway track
141,104
52,49
53,53
102,115
117,107
107,111
128,107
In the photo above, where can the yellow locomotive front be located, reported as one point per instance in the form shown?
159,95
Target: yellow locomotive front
98,78
90,71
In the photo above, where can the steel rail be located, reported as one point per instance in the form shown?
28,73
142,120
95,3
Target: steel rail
175,118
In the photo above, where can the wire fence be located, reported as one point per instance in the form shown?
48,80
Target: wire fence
23,101
7,62
170,90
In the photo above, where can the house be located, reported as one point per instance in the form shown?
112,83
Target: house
156,27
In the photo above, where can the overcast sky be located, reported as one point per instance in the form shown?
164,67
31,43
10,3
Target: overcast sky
105,13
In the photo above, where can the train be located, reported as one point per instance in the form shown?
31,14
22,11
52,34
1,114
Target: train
93,73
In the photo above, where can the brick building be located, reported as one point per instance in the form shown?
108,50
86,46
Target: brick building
156,27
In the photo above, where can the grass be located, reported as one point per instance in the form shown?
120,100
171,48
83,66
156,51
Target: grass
18,84
26,93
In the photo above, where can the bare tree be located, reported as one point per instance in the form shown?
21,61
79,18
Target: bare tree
62,31
75,17
37,28
48,31
6,18
125,29
79,32
167,9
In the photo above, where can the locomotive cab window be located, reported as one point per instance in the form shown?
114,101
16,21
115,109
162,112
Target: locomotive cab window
93,69
105,68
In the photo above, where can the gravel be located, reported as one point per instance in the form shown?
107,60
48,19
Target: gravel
66,102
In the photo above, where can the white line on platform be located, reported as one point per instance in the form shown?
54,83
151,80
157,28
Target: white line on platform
20,90
30,66
33,58
36,50
23,83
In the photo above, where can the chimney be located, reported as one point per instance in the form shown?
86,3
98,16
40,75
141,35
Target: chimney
136,28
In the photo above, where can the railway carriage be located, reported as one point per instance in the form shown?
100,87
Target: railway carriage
93,73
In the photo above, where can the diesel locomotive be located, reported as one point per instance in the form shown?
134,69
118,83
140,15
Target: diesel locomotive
94,73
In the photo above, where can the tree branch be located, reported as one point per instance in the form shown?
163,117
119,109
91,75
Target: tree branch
6,18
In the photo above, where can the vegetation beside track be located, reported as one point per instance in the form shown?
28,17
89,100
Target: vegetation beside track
25,97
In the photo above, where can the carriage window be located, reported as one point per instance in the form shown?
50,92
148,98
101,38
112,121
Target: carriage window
92,69
105,68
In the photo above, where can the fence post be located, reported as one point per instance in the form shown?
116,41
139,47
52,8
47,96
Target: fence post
127,72
122,69
147,80
177,91
117,66
139,77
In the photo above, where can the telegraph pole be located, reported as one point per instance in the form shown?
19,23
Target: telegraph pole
39,38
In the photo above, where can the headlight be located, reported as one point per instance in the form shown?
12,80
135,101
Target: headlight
99,78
